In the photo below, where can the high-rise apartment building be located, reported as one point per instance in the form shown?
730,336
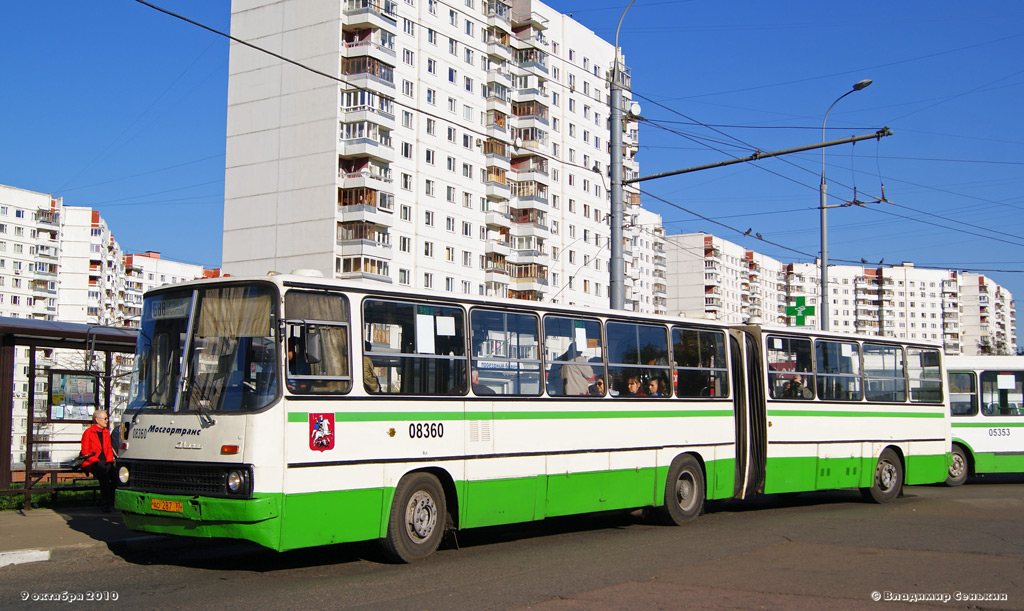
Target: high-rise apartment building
967,313
463,147
988,317
62,263
709,277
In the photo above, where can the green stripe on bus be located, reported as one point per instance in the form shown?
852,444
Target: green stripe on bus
986,425
852,414
554,415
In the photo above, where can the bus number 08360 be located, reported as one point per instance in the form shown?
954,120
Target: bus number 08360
423,430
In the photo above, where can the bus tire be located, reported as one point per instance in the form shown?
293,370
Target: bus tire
684,491
959,468
418,518
888,480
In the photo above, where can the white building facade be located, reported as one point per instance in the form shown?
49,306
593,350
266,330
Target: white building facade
62,263
966,313
462,148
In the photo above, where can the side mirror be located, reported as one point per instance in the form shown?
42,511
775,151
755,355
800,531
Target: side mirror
314,349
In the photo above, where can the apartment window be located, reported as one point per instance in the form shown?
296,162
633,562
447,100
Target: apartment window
451,105
449,254
451,198
468,54
428,249
407,150
432,66
453,17
432,37
408,27
467,229
467,171
431,126
407,181
469,27
405,244
451,134
453,46
431,96
405,213
429,189
428,281
452,74
403,277
408,56
469,85
407,88
406,118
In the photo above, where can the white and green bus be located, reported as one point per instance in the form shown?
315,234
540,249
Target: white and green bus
294,411
986,398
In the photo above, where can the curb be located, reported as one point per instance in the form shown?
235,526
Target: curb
24,556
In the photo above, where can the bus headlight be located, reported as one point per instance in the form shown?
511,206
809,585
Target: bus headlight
234,481
122,475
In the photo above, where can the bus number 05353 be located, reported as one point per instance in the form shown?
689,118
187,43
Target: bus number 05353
423,430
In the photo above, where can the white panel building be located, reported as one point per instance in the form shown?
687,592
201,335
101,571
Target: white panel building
462,147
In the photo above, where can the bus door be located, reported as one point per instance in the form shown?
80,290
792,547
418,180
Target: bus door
750,414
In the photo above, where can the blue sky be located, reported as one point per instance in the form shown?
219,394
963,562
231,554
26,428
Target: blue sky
117,106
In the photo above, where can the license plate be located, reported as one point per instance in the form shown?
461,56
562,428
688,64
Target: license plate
161,505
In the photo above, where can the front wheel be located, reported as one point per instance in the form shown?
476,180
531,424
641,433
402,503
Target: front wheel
958,468
418,518
888,482
684,491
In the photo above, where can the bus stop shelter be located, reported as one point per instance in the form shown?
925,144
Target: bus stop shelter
99,347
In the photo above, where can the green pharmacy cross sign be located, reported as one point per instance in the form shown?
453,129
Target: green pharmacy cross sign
800,310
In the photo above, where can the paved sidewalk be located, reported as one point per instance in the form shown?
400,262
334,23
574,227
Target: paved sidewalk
39,534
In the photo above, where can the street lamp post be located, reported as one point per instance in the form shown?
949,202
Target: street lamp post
823,316
617,280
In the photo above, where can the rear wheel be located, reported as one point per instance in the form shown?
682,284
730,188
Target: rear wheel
958,468
888,482
684,490
418,518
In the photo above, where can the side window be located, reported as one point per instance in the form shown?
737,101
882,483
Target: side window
506,353
700,363
413,349
1002,393
838,368
574,355
883,373
963,394
924,375
638,360
789,368
317,342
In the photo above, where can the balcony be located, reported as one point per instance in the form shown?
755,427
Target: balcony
371,13
378,149
368,48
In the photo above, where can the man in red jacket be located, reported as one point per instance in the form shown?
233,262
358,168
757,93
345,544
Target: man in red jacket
96,441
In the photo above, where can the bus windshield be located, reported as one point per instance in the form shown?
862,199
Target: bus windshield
207,350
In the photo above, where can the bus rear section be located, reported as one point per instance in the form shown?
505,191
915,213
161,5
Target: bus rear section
987,410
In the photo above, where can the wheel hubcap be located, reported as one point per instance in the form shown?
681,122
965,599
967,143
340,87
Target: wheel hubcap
685,487
886,475
958,466
420,516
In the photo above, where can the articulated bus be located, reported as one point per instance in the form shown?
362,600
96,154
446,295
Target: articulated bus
986,398
294,411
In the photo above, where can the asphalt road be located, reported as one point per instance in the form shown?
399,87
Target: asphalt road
808,551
